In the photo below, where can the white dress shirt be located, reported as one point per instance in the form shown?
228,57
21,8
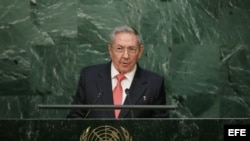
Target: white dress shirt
126,83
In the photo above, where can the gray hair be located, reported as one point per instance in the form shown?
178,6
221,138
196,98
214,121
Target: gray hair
125,29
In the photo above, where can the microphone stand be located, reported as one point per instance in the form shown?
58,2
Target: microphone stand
130,102
98,96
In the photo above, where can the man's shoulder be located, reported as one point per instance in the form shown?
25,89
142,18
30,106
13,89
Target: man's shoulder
150,74
94,68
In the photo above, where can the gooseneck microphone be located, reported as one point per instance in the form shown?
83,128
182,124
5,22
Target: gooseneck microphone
130,102
98,96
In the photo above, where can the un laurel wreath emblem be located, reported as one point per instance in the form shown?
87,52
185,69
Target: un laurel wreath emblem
105,133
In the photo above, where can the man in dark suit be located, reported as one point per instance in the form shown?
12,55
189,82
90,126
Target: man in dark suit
98,84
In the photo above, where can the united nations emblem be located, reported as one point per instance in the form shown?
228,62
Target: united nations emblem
105,133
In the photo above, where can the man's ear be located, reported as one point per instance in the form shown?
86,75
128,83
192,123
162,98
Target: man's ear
109,48
141,50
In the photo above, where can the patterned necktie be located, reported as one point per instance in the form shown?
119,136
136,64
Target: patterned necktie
117,93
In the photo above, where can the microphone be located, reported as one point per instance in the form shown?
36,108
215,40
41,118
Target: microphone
98,96
127,93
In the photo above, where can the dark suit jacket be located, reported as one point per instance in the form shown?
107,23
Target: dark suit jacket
147,88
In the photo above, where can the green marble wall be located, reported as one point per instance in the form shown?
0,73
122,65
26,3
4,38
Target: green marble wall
201,47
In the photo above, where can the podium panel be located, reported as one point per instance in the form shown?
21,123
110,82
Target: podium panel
116,130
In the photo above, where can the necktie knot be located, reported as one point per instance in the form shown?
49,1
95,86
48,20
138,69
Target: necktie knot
120,77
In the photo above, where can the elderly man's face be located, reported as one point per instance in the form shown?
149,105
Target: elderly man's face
125,51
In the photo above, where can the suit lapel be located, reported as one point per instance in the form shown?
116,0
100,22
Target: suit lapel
137,89
106,88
